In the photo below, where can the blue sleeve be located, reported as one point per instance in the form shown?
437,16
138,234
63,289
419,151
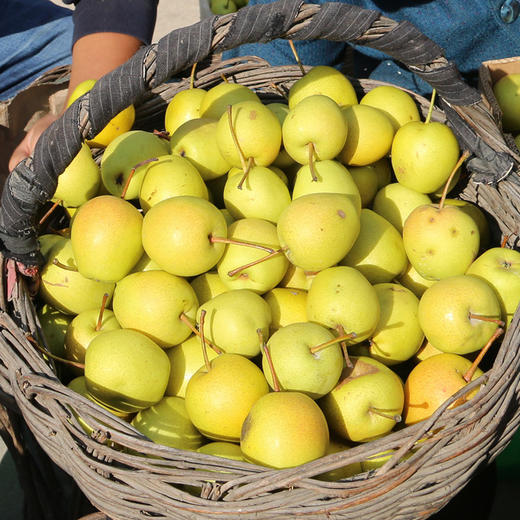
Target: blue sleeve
133,17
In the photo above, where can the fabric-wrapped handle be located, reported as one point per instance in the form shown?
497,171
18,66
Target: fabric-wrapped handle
33,182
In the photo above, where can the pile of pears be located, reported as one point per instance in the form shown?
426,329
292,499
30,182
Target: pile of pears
226,6
273,282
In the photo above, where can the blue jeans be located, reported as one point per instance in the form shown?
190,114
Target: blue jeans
35,36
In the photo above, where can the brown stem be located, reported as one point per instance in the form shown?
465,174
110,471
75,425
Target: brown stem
195,331
63,266
343,344
237,270
296,57
377,411
311,162
265,350
163,134
241,243
53,356
132,171
224,79
462,158
203,340
279,90
99,323
235,138
192,75
250,163
471,370
49,212
430,108
332,341
485,318
503,244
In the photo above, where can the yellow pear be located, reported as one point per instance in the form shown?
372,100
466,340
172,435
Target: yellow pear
287,306
184,106
367,180
207,285
217,98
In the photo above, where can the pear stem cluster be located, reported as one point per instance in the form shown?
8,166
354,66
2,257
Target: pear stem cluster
99,323
197,332
132,171
471,370
265,350
462,158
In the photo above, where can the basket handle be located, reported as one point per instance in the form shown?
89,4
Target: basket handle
33,182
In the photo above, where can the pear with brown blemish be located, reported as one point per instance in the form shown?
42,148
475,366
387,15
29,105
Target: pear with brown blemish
439,240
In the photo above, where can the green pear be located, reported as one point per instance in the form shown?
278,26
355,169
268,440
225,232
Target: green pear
330,177
500,267
126,370
257,130
196,140
434,380
47,241
288,306
54,327
459,314
342,296
125,153
220,395
79,181
284,430
223,6
185,359
260,271
366,403
227,450
314,129
207,285
395,202
157,304
304,359
167,423
84,328
396,103
106,238
384,172
67,290
378,251
233,319
217,98
297,278
182,235
317,230
184,106
324,80
170,176
280,110
370,135
398,335
262,195
366,180
507,93
424,155
145,263
440,241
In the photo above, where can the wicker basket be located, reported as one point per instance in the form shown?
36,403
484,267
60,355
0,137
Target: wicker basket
126,476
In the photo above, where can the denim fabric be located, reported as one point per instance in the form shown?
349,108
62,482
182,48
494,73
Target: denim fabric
35,36
469,31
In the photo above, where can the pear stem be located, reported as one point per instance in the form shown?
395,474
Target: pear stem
163,134
503,244
224,79
99,323
241,243
246,172
296,57
267,354
472,316
462,158
471,370
235,138
311,162
193,329
343,344
430,108
192,75
237,270
203,340
397,418
63,266
331,342
53,356
49,212
132,171
279,90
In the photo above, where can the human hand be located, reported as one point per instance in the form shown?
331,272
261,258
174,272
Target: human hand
26,146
